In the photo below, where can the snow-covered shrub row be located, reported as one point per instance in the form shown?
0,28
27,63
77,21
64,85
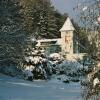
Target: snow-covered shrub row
38,66
70,68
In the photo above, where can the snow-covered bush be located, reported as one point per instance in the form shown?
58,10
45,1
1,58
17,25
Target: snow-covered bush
96,82
42,67
62,66
55,56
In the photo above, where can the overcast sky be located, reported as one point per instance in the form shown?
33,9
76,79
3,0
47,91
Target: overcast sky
65,6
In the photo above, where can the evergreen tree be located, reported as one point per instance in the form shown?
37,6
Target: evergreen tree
18,18
12,36
40,18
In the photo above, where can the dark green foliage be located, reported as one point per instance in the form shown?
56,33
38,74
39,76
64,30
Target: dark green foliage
12,36
41,19
19,21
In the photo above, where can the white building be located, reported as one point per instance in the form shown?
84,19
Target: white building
67,37
50,45
64,45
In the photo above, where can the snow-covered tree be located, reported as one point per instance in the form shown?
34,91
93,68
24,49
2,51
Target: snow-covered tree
37,65
40,18
12,36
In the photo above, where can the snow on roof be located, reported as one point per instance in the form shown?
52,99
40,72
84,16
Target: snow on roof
57,41
48,40
68,26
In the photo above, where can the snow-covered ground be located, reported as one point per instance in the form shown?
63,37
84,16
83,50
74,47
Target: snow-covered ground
16,89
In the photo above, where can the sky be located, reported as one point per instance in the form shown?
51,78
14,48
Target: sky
65,6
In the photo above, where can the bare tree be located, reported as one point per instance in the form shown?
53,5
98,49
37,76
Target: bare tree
88,13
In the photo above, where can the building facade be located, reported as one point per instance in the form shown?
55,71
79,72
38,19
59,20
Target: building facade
67,37
64,45
50,45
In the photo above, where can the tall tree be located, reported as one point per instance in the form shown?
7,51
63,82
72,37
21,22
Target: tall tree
40,18
89,12
12,36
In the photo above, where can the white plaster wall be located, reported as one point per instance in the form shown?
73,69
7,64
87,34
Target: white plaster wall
67,42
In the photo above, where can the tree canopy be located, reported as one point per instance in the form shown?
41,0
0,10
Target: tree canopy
41,18
22,19
89,15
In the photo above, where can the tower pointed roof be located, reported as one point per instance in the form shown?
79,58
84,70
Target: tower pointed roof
68,26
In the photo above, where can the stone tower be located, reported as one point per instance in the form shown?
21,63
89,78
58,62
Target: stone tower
67,33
